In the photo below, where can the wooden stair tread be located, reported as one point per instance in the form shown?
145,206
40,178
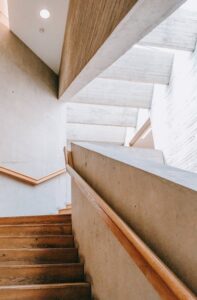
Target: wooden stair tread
63,291
44,286
34,225
38,260
65,211
46,219
38,256
38,274
43,241
16,266
35,229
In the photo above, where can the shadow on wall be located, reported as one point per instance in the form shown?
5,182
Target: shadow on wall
14,52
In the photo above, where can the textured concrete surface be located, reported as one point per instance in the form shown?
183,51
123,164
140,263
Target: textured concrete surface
109,268
174,114
31,130
160,211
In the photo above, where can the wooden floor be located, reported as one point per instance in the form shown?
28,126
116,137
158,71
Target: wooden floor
39,261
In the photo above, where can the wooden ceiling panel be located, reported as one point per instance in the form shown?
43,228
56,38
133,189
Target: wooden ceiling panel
89,24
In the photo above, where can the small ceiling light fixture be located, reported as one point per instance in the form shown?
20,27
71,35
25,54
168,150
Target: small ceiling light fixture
44,13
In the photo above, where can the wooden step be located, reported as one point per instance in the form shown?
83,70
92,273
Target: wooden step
47,219
41,274
65,291
38,260
31,230
61,241
65,211
38,256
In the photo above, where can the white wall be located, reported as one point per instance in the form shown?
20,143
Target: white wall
174,114
32,130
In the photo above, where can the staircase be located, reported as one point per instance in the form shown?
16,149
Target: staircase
38,260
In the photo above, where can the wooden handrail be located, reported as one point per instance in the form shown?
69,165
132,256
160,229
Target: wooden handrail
27,179
140,132
68,157
159,275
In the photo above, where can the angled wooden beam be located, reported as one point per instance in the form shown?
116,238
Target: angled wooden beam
101,115
142,64
99,32
89,24
116,93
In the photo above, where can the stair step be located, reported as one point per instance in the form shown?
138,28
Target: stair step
40,274
50,241
42,229
38,260
68,291
46,219
65,211
38,256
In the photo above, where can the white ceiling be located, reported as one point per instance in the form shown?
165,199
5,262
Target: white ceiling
26,23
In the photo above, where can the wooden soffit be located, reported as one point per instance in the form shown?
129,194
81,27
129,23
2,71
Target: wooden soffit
89,24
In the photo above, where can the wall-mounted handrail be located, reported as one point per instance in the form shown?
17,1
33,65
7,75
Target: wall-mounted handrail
140,132
159,275
27,179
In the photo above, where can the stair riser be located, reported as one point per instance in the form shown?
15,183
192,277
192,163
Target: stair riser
35,230
41,275
56,219
37,256
36,242
71,293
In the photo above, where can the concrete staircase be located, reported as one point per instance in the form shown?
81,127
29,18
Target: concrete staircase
38,260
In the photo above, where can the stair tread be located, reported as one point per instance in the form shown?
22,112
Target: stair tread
35,225
63,291
39,249
37,241
41,274
38,255
41,265
35,230
36,236
47,219
44,286
31,216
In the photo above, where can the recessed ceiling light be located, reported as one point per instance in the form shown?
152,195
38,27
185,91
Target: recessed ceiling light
44,13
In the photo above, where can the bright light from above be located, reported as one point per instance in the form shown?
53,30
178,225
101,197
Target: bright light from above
44,13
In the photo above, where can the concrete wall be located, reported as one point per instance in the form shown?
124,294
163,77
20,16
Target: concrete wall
174,114
111,271
31,130
161,212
